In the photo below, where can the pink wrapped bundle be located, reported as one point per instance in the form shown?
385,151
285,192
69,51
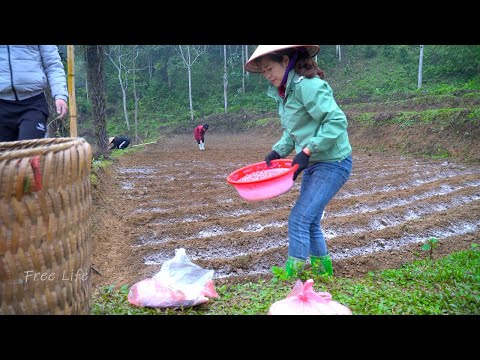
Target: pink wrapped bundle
178,283
303,300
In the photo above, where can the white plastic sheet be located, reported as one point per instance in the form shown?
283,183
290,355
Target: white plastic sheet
179,283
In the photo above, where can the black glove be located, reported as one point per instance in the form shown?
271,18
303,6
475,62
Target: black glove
302,160
273,155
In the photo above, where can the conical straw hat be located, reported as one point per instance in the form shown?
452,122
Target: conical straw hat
261,50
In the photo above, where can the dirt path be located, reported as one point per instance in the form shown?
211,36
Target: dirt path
172,195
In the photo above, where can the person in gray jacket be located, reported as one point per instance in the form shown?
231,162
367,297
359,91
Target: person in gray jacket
25,73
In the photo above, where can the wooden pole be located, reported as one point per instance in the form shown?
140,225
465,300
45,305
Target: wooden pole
72,103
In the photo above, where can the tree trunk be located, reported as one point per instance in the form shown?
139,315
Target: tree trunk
225,77
150,66
96,79
122,74
420,67
190,82
135,95
125,111
246,59
188,62
243,68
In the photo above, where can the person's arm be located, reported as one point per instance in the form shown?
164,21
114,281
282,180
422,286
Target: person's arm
285,145
317,97
55,71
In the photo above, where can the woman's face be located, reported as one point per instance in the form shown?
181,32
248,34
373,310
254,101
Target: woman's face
273,71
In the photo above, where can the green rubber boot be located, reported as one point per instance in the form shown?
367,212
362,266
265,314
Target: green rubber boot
322,264
294,266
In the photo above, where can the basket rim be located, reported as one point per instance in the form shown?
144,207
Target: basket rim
42,146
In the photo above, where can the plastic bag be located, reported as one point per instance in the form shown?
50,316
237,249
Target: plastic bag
303,300
178,283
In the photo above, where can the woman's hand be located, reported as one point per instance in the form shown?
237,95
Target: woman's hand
302,160
273,155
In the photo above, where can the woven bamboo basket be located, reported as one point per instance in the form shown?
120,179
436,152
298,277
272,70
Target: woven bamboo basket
45,238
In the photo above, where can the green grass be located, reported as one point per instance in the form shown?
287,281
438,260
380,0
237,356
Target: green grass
445,286
440,117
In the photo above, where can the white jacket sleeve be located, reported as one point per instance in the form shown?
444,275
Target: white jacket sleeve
53,66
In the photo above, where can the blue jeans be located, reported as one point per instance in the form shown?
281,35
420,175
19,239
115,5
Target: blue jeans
320,182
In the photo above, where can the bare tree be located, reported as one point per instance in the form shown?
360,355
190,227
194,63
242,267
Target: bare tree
118,56
420,68
246,58
225,76
96,78
135,94
243,69
150,66
188,61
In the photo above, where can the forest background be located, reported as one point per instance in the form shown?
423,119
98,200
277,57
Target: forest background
137,90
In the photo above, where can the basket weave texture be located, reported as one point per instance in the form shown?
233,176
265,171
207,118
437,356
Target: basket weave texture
45,237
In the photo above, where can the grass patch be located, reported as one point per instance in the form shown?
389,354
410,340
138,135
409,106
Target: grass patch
448,286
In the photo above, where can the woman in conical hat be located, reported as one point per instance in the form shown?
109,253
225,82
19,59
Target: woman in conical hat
253,66
316,128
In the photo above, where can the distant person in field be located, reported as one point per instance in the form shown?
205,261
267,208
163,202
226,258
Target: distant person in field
118,142
315,126
199,135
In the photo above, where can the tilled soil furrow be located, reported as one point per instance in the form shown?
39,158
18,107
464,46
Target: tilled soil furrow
382,200
448,225
335,223
458,237
161,198
171,195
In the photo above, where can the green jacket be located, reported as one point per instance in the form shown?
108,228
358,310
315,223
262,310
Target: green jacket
311,118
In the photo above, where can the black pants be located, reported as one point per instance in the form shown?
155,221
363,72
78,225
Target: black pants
120,143
24,119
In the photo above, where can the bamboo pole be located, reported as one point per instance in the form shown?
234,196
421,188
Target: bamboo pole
72,103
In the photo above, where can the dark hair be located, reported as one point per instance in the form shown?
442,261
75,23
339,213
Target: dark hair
205,126
304,66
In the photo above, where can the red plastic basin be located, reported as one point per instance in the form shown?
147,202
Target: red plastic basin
259,182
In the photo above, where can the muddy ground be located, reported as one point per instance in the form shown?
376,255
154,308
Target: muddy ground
170,195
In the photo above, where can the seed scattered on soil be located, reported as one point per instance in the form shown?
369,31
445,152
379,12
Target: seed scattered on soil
259,175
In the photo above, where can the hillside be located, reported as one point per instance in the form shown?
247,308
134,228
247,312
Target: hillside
442,126
370,74
439,126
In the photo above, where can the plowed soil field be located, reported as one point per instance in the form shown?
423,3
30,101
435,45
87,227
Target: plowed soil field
170,195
